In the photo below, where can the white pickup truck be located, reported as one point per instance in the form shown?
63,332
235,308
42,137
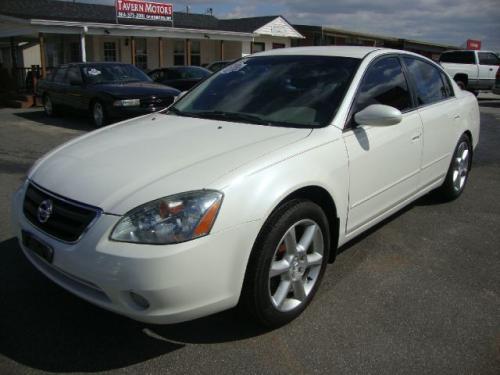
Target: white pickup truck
472,70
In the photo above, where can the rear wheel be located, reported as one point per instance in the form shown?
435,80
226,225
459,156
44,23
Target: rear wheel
458,171
287,263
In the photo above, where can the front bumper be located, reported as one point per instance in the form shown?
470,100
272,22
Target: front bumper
180,282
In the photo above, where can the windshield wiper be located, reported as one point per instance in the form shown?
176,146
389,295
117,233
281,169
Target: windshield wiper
229,116
177,112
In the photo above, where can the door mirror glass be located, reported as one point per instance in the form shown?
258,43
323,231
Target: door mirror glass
378,115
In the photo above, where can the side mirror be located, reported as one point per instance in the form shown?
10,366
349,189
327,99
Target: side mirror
180,96
378,115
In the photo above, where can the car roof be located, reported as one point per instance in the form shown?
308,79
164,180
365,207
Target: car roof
341,51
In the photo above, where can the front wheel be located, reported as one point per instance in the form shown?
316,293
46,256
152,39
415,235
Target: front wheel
98,113
287,263
458,172
48,106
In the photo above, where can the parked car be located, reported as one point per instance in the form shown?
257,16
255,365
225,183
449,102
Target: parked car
180,77
107,91
218,65
471,70
242,191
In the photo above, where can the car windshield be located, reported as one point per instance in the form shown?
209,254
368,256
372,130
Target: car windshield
297,91
113,73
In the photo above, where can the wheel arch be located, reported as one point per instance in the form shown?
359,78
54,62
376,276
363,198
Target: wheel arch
463,77
323,199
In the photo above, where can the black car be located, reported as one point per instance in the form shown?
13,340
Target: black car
106,90
180,77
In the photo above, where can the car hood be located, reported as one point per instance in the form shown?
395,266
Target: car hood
127,164
136,89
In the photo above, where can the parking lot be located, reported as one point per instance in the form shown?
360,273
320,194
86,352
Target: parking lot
418,294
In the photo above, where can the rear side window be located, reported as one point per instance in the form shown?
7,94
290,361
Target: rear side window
60,75
447,85
487,58
427,81
458,57
74,75
384,83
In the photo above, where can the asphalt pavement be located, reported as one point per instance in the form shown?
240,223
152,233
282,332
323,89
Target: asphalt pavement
418,294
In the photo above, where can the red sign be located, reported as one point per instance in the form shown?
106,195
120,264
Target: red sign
473,44
143,10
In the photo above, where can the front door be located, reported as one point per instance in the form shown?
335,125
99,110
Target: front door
384,161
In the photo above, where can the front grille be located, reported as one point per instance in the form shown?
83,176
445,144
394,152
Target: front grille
68,219
157,102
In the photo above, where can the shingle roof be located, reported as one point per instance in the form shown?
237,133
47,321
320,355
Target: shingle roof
84,12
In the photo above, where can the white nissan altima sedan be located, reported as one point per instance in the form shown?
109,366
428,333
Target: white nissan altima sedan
241,192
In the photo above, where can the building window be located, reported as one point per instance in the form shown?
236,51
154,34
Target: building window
74,52
141,53
110,51
179,52
278,45
195,53
258,47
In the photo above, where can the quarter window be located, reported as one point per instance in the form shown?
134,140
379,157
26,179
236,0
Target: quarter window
427,80
447,85
384,83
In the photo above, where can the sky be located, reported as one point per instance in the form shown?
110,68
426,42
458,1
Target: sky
440,21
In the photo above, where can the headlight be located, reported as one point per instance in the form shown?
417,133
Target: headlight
127,103
172,219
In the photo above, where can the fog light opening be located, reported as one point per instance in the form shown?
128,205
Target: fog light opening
140,302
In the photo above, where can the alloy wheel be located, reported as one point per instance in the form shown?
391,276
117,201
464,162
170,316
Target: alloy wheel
296,265
461,166
98,114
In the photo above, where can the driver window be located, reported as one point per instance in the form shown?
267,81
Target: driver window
384,83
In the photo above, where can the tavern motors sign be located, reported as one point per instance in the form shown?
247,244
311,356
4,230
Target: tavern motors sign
143,10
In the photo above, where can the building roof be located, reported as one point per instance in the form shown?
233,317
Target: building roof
97,13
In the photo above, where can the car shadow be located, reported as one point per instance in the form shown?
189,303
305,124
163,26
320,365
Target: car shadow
46,328
73,121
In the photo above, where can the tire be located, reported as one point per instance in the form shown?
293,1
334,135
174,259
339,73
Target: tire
461,84
458,172
276,299
98,114
49,107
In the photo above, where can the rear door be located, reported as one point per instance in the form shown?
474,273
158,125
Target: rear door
384,161
438,109
58,86
74,88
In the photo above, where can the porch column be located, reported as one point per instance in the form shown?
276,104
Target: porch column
132,50
187,59
222,50
43,63
82,46
160,52
13,57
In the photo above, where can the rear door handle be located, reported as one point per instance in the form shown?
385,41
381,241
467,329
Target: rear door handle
415,137
456,117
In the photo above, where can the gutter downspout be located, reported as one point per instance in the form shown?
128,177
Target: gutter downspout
82,43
